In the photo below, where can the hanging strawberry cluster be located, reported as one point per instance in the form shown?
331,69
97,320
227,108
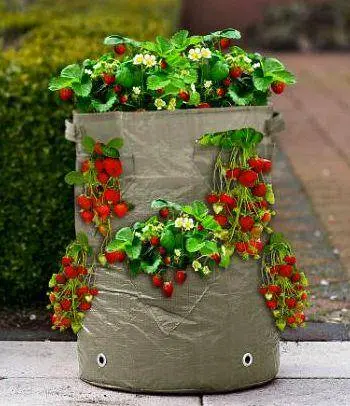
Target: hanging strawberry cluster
285,287
100,176
241,197
72,290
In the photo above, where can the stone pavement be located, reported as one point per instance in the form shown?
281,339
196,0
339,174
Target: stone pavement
46,373
313,184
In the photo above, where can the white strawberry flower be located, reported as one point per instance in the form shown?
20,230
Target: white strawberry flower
256,65
138,59
160,104
149,60
194,54
88,71
177,252
179,222
188,223
193,87
172,104
136,90
196,265
206,270
208,84
206,53
246,59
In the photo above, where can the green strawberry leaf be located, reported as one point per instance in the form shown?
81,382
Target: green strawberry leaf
219,71
209,223
116,143
260,81
125,77
124,235
195,99
103,107
167,240
157,81
73,72
110,151
74,178
118,39
160,204
135,267
59,83
209,248
88,144
133,250
82,239
82,88
151,268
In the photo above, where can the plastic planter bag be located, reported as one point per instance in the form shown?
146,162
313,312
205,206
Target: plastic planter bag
214,334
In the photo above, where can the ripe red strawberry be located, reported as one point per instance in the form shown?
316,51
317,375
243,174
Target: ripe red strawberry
164,213
304,296
99,165
113,167
83,290
103,177
248,178
274,270
117,89
84,202
221,219
271,304
259,190
267,165
154,240
65,322
60,278
115,256
256,164
285,271
82,270
296,277
163,64
85,306
229,200
273,288
93,291
85,166
203,106
66,304
263,290
200,227
98,148
266,217
70,272
184,96
180,276
290,260
103,211
261,204
162,251
241,246
87,216
123,98
108,79
66,94
278,87
225,43
236,72
160,91
291,320
258,244
220,92
168,289
157,281
291,302
120,49
167,260
112,196
120,209
65,261
233,173
212,198
226,82
216,257
246,223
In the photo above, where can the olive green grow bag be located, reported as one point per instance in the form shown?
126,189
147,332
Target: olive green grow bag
214,334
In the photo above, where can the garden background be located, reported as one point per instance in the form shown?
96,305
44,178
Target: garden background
312,173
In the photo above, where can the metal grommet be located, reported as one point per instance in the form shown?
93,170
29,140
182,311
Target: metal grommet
101,360
247,359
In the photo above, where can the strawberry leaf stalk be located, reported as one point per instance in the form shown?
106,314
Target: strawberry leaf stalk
72,289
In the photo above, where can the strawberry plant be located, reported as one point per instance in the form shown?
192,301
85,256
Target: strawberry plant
167,74
72,287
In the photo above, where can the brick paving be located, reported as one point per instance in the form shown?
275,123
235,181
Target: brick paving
317,146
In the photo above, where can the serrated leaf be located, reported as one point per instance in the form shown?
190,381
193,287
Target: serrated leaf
194,244
285,77
260,81
82,88
159,81
88,144
195,99
118,39
271,65
76,327
116,143
179,38
72,72
133,250
82,239
103,107
239,100
161,203
59,83
209,223
197,209
230,33
74,178
110,151
135,267
125,77
219,71
151,268
164,46
209,248
167,240
125,234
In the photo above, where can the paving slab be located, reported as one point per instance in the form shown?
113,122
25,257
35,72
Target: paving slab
296,392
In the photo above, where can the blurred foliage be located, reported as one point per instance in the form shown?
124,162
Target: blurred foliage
304,26
37,210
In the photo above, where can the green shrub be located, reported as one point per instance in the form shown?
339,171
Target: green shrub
37,211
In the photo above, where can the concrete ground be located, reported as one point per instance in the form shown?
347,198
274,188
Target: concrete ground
46,373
